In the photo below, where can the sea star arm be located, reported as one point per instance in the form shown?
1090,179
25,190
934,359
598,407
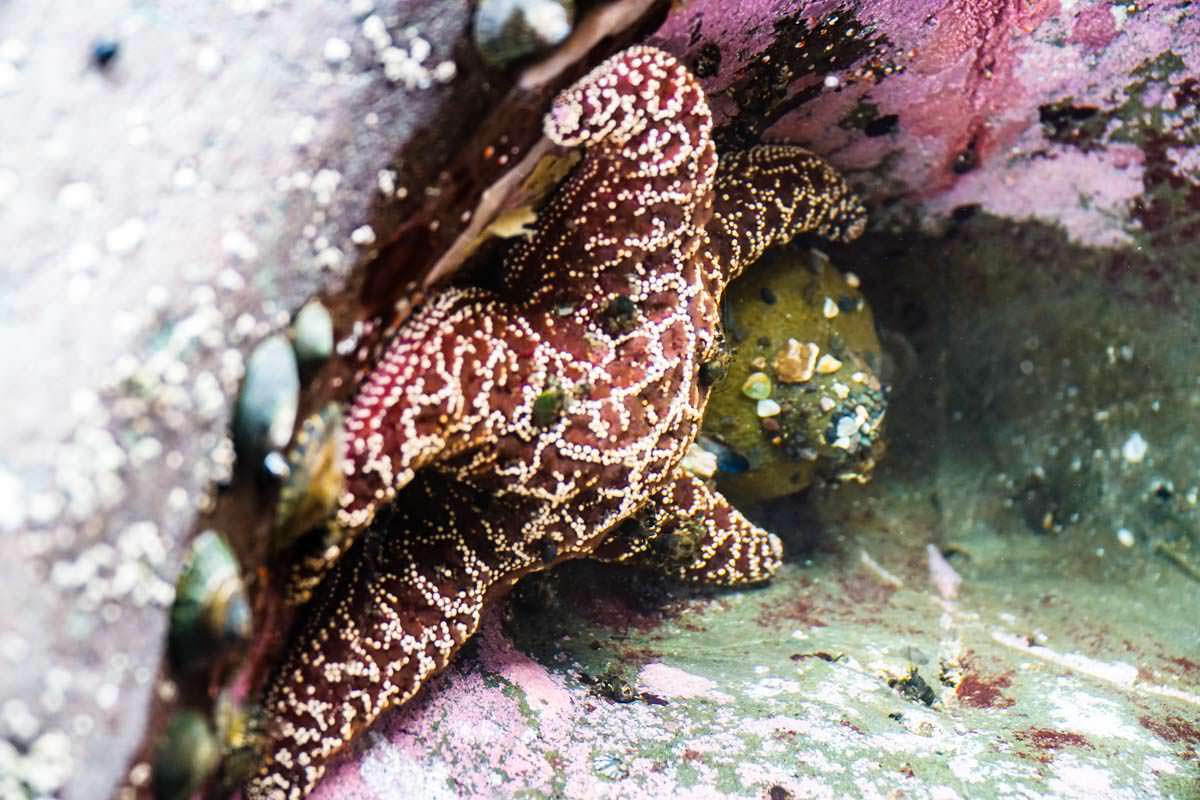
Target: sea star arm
769,194
389,615
641,194
692,533
430,396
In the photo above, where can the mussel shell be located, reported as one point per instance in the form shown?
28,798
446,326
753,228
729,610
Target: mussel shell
211,611
309,495
269,399
187,753
508,30
312,334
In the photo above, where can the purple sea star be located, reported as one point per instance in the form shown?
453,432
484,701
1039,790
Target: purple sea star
505,432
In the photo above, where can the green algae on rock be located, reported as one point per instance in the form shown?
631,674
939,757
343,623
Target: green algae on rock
802,398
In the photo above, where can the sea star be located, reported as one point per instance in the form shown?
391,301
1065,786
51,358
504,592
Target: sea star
505,432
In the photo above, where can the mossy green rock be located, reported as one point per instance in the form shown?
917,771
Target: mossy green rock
805,325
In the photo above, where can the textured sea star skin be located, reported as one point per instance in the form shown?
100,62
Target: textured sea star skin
505,432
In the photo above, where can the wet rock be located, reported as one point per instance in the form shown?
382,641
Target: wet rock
135,289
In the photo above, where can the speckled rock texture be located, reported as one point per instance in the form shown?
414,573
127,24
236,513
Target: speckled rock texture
159,216
165,211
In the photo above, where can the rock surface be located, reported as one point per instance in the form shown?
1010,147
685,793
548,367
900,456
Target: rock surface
1066,113
160,216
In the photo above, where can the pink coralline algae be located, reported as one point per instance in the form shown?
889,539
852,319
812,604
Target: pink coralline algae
504,432
1094,28
962,102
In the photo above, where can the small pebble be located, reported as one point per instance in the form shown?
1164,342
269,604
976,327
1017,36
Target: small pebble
700,462
276,465
237,244
728,460
941,574
208,60
796,361
364,235
104,52
140,774
847,426
376,32
853,280
757,386
767,408
445,71
827,365
77,196
126,237
1125,537
419,49
385,179
13,51
302,134
1134,449
829,309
